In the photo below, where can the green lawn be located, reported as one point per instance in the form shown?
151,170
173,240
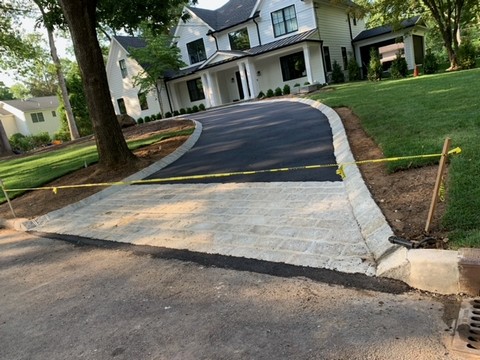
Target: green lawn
37,170
413,116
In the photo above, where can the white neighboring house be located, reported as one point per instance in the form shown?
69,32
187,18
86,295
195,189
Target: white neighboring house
30,116
121,69
248,46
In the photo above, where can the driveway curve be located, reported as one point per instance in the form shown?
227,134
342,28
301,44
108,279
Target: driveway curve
259,136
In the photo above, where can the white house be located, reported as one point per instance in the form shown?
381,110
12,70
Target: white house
30,116
242,48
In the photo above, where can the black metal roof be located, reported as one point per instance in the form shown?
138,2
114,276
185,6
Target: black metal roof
382,30
232,13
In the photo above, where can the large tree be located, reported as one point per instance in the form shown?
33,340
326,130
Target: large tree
82,17
448,16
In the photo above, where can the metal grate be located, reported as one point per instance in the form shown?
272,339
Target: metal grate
467,332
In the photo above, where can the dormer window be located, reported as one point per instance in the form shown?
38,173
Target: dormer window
284,21
196,51
239,39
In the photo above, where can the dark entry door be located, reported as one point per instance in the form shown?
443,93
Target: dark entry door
239,85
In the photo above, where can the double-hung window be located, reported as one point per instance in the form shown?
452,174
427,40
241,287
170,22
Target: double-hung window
123,68
37,117
196,51
195,90
293,66
284,21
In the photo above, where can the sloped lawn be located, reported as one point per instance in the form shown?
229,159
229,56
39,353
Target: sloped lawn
413,116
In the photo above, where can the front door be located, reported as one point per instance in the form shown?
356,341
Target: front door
239,85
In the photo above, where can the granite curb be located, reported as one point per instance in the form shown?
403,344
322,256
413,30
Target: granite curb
26,225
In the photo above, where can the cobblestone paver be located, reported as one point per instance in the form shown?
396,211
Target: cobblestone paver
310,223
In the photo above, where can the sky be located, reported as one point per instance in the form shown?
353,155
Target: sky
63,44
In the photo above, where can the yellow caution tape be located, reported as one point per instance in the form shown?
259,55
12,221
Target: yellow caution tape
340,171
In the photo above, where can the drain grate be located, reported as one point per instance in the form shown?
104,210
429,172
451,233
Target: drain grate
467,332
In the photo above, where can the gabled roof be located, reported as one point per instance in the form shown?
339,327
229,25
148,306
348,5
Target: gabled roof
387,29
128,42
37,103
232,13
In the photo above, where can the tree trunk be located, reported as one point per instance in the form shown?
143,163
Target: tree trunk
112,148
158,87
72,125
5,148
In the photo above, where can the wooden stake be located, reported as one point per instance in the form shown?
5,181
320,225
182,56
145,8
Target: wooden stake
8,199
441,170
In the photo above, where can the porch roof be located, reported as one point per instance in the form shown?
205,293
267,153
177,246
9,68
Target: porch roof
252,52
387,29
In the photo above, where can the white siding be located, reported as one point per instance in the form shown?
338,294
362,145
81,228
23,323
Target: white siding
50,125
191,30
9,124
304,12
335,31
124,87
224,41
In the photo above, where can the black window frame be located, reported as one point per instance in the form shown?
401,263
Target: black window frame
142,100
293,66
37,117
121,106
284,29
196,54
195,90
231,39
123,68
328,59
344,58
54,113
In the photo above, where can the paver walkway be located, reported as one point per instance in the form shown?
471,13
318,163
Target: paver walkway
301,223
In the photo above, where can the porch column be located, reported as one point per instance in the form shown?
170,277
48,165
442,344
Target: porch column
308,66
206,90
252,79
241,68
213,90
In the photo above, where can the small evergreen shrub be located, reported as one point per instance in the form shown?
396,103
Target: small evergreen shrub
183,111
26,143
270,93
147,119
176,113
374,66
168,114
189,110
261,95
278,92
296,85
195,109
306,83
201,107
399,68
286,89
159,116
353,70
467,55
153,117
140,120
337,73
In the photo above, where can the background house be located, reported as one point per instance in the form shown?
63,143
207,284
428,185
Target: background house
30,116
248,46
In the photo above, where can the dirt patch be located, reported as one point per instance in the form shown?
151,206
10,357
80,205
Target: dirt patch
36,203
404,196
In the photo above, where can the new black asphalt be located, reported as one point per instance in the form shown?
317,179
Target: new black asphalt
259,136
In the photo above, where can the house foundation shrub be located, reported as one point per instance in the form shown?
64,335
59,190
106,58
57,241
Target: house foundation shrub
430,63
270,93
286,89
353,70
189,110
168,114
183,111
374,66
201,107
147,119
140,120
26,143
399,68
337,73
195,109
159,116
176,113
261,95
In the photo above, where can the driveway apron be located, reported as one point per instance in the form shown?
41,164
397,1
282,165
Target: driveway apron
301,217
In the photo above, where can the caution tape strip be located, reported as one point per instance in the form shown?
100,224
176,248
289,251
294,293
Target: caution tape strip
340,171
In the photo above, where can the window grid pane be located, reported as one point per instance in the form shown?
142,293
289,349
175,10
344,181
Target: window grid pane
284,21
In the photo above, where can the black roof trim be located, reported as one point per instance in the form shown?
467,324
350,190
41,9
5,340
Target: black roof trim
387,29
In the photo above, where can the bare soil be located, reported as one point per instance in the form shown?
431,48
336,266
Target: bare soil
404,196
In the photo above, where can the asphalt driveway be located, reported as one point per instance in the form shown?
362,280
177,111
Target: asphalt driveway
259,136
